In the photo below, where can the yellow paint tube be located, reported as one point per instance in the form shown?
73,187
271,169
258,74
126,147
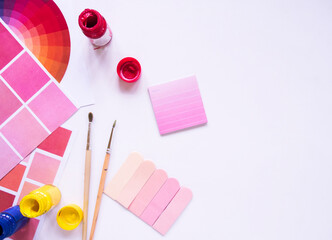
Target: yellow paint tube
40,201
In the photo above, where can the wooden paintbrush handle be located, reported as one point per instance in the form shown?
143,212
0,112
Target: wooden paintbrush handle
86,193
100,193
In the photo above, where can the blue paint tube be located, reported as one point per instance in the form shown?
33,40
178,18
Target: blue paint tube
11,220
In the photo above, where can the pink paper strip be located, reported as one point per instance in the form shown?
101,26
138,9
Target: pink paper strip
177,105
127,170
173,210
148,191
160,201
135,184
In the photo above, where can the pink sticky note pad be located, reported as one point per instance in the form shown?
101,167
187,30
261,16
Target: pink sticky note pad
52,107
160,201
136,182
148,191
177,105
173,210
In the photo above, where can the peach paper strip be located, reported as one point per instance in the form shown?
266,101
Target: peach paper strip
121,178
160,201
148,191
136,182
173,210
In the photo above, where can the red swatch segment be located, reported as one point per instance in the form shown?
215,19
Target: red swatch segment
6,200
13,179
57,142
28,231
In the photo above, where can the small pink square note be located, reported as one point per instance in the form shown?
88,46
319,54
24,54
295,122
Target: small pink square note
177,105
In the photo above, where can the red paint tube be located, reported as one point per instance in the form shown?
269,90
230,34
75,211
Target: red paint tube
94,26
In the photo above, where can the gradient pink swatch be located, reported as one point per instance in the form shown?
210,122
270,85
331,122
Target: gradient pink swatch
8,159
43,168
24,132
148,191
9,103
25,76
173,210
52,107
177,105
136,182
160,201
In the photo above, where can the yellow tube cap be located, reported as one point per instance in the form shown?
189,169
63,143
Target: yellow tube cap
69,217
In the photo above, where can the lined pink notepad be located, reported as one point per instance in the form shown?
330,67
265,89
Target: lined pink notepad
32,104
177,105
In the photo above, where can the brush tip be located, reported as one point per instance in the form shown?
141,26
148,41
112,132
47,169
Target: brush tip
114,124
90,116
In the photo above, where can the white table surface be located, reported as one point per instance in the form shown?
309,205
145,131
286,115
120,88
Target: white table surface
261,168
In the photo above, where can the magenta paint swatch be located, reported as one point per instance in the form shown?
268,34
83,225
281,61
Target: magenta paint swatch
32,105
24,132
8,102
9,47
52,107
177,105
25,76
149,193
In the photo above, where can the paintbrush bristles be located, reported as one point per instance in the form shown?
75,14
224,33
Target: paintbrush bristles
88,139
110,140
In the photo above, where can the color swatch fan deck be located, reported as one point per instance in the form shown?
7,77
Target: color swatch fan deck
40,25
32,104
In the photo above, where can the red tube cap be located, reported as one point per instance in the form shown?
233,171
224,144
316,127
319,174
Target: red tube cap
129,69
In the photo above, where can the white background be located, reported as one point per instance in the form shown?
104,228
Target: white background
261,168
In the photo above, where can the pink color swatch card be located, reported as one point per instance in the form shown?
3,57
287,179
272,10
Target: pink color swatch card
177,105
148,193
43,166
32,104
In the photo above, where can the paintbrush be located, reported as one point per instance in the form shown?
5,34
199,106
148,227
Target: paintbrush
87,181
101,184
